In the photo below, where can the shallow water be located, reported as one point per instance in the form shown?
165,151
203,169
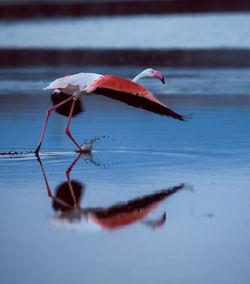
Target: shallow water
204,236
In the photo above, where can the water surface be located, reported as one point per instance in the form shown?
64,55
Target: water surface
158,201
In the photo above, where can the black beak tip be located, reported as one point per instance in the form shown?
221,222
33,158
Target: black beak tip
163,80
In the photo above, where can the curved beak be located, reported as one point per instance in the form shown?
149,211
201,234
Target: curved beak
159,75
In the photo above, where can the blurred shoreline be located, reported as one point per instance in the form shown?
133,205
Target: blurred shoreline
175,41
184,58
33,9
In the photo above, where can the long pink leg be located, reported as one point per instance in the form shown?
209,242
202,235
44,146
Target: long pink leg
58,200
69,181
67,126
46,121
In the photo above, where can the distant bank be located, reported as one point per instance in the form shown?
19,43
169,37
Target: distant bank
185,58
31,9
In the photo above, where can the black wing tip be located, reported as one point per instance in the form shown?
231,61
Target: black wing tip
187,117
175,115
182,117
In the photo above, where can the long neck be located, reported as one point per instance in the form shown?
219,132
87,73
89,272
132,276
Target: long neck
139,76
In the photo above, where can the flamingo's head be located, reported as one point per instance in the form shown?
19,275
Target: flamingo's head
149,73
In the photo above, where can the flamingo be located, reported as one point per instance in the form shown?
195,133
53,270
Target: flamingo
58,96
129,92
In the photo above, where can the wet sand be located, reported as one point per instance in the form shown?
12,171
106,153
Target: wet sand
131,224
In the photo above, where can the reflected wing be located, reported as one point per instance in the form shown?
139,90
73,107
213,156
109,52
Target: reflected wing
124,214
130,93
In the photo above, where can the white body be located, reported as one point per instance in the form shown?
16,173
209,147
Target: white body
74,84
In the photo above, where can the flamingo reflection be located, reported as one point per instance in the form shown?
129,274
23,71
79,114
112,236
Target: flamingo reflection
66,203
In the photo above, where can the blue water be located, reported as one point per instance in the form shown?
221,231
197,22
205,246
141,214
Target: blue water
205,236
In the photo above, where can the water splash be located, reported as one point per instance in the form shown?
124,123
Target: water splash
87,146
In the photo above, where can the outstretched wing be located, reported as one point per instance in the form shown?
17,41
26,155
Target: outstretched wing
130,93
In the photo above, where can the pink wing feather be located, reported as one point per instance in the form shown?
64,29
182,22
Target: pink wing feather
130,93
123,85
